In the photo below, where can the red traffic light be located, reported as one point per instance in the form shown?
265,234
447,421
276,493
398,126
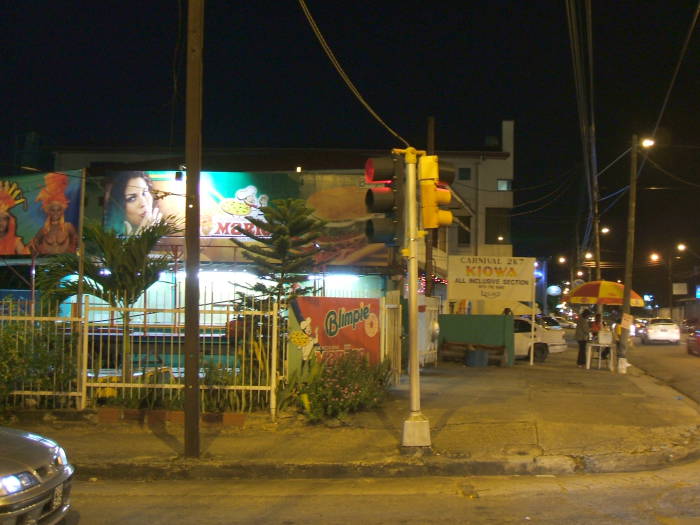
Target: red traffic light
379,170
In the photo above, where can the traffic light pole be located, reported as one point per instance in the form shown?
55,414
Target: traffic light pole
416,429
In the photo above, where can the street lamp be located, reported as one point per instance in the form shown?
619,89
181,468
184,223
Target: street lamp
655,258
605,230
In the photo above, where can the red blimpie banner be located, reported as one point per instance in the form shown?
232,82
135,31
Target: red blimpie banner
330,325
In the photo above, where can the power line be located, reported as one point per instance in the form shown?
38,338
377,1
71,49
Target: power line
669,174
566,182
562,187
343,75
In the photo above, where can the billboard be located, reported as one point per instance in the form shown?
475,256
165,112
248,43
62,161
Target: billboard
324,326
136,198
490,278
39,213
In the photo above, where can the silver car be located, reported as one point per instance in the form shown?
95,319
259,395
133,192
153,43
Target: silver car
35,479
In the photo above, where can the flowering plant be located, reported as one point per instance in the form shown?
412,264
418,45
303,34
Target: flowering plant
346,384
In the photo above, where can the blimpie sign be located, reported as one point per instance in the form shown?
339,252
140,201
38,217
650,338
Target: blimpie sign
324,326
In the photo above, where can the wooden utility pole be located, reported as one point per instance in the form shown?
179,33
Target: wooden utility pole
629,246
193,161
432,234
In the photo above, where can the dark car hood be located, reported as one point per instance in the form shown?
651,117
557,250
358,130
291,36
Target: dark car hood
20,451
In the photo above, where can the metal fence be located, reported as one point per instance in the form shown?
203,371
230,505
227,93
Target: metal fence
39,356
132,361
134,357
128,356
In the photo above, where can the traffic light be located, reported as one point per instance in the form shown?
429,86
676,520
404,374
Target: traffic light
435,180
387,199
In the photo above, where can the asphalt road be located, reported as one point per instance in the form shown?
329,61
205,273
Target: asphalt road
670,363
668,497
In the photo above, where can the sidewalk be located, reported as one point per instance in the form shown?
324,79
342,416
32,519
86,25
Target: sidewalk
551,418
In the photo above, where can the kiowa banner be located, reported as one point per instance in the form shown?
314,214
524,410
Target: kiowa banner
487,277
323,326
39,213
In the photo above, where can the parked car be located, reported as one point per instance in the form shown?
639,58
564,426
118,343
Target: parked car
693,343
661,329
548,322
35,479
689,325
565,322
546,340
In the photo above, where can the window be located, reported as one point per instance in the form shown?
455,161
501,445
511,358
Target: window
497,225
520,326
464,235
464,174
504,185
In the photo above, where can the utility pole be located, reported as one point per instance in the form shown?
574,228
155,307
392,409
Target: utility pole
193,161
629,252
669,266
432,234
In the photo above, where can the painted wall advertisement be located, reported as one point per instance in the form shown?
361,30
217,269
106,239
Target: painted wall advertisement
136,198
490,278
39,213
320,327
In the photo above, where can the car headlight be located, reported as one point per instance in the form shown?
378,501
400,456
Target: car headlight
60,457
17,483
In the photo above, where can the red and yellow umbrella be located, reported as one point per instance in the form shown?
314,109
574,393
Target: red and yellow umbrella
602,292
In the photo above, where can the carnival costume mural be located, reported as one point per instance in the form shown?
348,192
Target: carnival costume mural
56,235
10,196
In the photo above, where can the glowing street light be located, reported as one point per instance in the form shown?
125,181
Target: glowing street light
605,230
654,257
588,255
562,260
648,143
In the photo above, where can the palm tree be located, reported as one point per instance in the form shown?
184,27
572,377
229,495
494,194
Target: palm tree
116,269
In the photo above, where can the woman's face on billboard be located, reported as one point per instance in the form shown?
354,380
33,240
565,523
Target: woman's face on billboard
138,201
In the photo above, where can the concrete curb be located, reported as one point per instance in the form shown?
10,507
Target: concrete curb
555,465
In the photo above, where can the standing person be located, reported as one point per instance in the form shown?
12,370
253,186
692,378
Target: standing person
581,334
596,326
56,235
10,196
130,204
507,311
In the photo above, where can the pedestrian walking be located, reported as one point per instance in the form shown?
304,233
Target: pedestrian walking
581,334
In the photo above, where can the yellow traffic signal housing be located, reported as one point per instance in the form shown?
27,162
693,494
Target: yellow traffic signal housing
433,193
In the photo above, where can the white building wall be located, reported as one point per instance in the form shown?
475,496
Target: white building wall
481,192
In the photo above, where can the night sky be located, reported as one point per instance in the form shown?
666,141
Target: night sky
112,73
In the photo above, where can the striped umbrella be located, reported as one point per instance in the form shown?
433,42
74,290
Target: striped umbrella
602,292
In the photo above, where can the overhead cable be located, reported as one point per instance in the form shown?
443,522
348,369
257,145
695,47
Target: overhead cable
343,75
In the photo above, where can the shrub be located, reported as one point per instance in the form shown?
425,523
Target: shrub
36,356
346,384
